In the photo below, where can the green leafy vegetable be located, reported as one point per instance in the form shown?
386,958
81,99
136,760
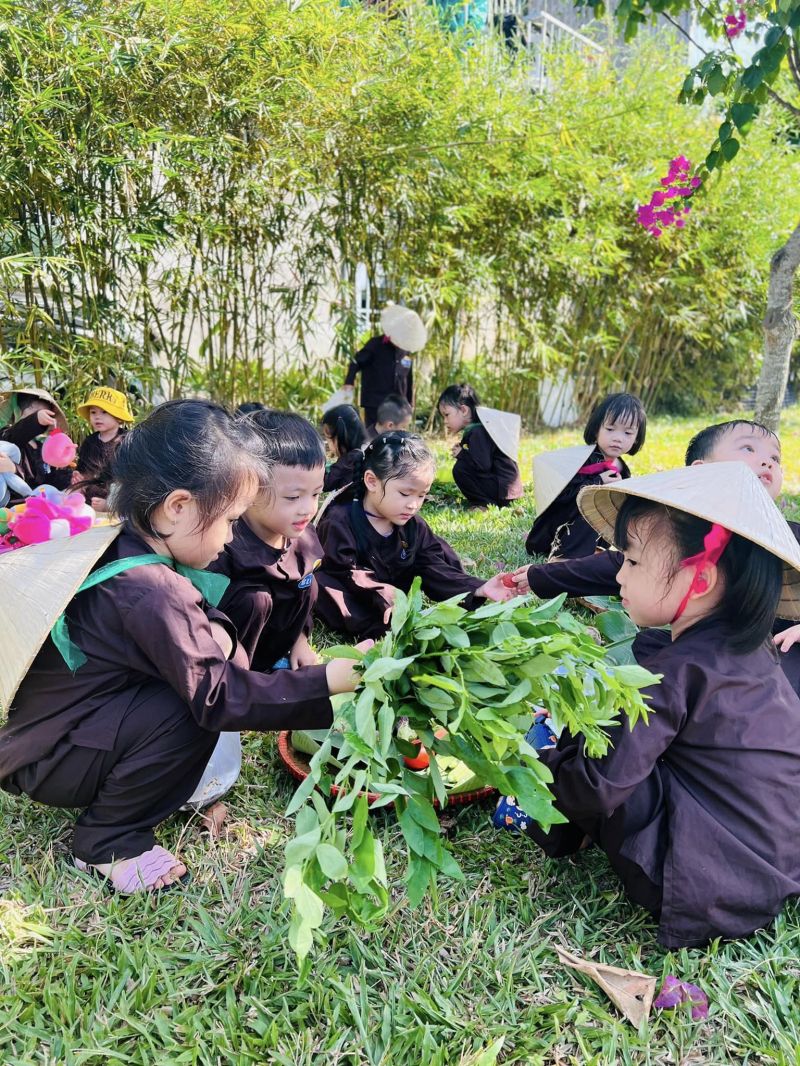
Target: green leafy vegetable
477,675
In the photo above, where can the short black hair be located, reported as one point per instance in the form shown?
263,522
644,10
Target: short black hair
185,444
289,439
395,408
752,576
250,407
703,443
460,395
392,455
346,427
619,406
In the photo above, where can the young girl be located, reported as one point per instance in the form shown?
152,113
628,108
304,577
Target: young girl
126,730
272,558
483,472
616,427
697,808
345,435
374,541
34,412
109,414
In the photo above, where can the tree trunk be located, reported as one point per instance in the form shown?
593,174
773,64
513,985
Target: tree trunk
780,330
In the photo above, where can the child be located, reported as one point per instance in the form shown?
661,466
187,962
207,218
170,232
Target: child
697,808
374,541
394,413
345,436
616,427
109,414
275,550
483,471
126,731
34,412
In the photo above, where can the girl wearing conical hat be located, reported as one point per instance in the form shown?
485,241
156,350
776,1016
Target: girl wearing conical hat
486,468
616,427
26,416
385,362
697,808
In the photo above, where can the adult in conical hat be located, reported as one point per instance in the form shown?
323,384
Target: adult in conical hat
385,362
36,584
728,495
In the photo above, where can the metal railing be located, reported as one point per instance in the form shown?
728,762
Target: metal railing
529,26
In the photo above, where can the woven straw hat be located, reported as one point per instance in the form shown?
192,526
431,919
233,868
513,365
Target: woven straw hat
727,493
404,327
553,471
36,584
503,427
7,406
111,401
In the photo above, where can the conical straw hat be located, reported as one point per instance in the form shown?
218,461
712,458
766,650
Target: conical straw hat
36,584
343,395
727,493
6,401
404,327
503,427
553,471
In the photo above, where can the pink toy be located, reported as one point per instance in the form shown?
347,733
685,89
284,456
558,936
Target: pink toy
47,515
58,450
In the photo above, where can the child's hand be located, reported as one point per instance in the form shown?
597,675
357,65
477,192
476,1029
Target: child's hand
341,674
609,475
45,417
302,654
222,637
521,580
456,449
788,638
6,465
494,589
99,504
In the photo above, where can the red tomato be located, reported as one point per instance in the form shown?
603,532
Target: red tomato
509,581
419,761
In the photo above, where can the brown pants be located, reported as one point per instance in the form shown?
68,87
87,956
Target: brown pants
156,762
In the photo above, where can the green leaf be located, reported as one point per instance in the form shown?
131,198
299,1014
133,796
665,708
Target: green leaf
423,814
299,848
716,81
418,879
725,132
342,651
332,862
730,148
455,636
743,115
386,669
712,159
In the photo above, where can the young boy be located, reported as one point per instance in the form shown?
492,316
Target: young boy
109,414
394,413
34,413
274,554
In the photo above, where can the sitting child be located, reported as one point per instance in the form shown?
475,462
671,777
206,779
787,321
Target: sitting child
395,412
483,471
275,551
345,435
616,427
697,807
30,414
375,541
109,414
123,705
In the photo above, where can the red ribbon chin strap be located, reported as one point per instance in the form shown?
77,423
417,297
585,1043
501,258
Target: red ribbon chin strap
599,468
714,544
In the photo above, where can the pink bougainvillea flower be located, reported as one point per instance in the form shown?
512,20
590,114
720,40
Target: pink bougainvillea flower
734,24
674,992
676,186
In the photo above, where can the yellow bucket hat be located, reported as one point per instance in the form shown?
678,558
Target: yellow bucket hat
109,400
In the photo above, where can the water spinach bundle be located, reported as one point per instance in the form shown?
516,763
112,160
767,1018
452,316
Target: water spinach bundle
468,683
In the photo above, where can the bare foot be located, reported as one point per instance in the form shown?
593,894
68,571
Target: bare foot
213,818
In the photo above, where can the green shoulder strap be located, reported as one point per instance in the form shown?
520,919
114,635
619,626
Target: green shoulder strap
210,586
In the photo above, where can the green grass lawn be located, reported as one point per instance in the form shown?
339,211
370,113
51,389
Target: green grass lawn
206,975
